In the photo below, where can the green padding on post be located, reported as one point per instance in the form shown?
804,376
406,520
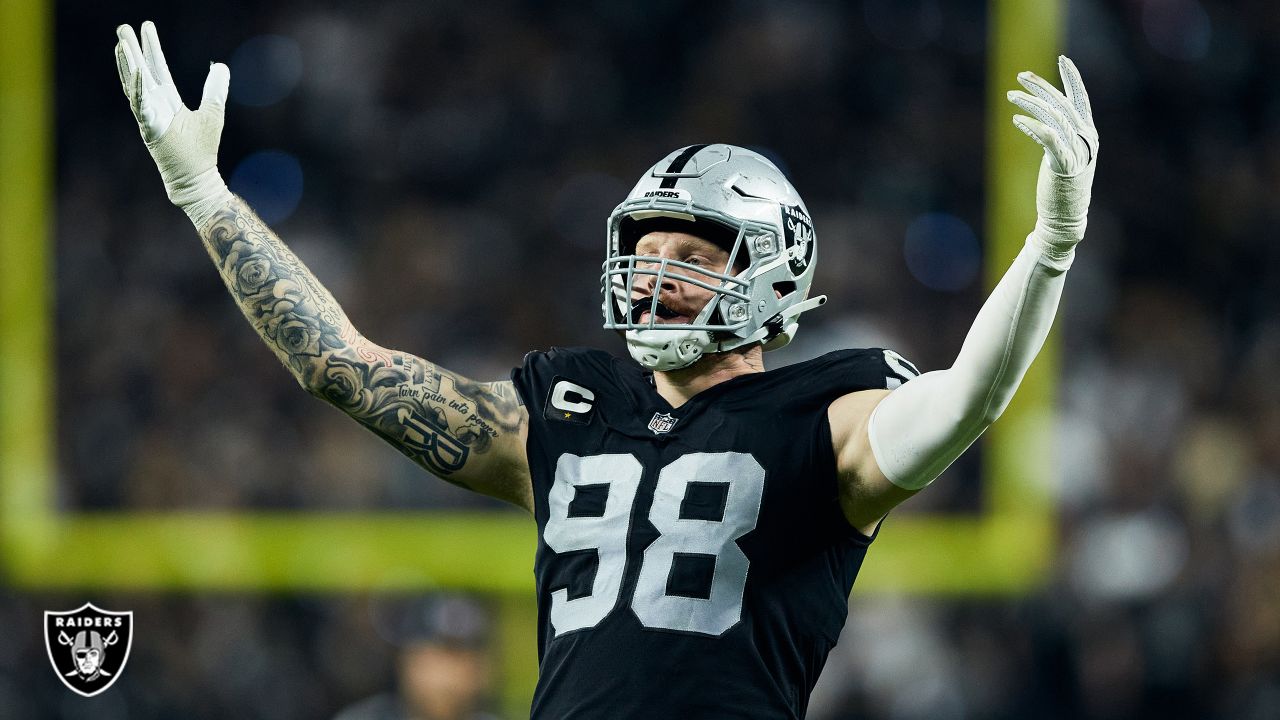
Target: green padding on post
184,551
1020,459
991,555
26,308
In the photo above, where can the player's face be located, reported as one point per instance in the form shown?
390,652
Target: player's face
87,661
681,299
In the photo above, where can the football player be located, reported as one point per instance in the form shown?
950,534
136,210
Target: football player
700,520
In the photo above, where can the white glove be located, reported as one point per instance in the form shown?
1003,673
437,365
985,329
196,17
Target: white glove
183,143
1063,125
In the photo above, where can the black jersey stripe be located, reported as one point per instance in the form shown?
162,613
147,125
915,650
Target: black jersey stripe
678,164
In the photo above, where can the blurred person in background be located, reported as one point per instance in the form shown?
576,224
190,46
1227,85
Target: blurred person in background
742,584
444,662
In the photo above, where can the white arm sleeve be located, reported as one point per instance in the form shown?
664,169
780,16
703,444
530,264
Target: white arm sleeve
923,426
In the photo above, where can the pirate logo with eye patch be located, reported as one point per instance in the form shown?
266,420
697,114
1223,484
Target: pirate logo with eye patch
88,646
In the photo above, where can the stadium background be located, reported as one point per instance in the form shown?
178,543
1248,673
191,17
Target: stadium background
445,168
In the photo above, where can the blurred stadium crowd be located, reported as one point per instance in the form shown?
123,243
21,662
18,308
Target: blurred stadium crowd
446,169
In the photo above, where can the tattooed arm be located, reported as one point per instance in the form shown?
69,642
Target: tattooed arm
469,433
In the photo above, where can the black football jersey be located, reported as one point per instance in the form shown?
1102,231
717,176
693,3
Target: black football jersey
692,562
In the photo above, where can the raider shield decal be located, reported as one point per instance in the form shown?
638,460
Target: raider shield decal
88,647
798,238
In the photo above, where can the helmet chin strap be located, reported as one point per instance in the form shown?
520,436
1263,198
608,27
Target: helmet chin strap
788,322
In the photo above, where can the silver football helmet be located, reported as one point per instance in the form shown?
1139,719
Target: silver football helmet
739,200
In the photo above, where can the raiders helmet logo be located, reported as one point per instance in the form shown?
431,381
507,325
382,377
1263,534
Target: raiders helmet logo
88,646
798,240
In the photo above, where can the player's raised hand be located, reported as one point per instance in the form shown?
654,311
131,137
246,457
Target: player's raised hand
183,143
1062,124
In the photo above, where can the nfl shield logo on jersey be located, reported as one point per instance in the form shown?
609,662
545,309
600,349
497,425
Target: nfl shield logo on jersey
661,423
88,646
